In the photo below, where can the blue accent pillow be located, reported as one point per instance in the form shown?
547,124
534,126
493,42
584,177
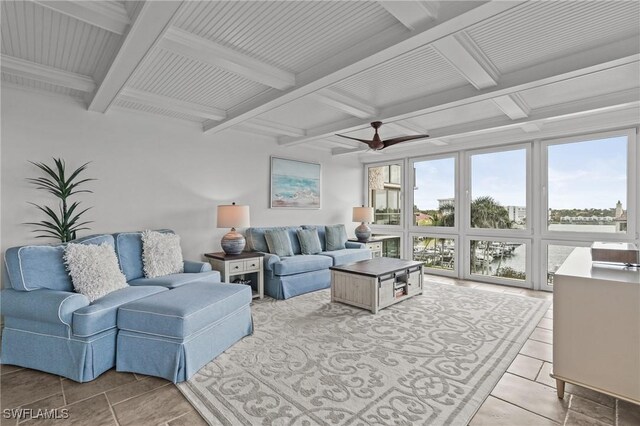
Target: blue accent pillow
279,242
309,241
336,237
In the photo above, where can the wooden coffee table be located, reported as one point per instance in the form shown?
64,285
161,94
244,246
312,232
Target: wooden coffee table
376,283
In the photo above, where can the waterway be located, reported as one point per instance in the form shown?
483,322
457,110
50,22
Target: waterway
556,253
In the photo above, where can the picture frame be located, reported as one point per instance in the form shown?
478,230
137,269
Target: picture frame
295,184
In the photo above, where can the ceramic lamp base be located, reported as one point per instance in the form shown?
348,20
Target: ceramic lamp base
363,232
233,242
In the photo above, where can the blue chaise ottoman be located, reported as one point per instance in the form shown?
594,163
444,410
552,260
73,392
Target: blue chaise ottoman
175,333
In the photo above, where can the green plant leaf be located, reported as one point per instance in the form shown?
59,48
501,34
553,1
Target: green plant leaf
64,223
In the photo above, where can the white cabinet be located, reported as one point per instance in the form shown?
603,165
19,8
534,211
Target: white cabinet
596,326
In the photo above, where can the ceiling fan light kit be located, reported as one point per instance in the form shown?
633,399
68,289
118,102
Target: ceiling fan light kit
378,144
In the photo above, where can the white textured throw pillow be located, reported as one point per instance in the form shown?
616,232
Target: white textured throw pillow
94,269
161,254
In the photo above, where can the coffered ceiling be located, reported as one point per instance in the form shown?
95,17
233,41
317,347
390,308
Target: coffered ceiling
303,71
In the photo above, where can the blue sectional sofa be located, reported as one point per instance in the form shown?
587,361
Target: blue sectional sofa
51,328
294,275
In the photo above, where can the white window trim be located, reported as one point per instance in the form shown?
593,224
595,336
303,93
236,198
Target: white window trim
632,212
456,256
485,232
497,280
544,256
411,197
387,228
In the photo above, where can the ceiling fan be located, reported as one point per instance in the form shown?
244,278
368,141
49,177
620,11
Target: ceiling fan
377,144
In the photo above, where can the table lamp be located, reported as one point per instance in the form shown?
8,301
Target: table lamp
232,216
364,215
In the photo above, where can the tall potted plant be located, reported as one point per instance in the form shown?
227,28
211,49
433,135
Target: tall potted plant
64,223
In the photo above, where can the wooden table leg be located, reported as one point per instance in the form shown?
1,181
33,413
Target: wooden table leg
560,388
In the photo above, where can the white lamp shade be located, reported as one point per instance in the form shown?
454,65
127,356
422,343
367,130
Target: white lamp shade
232,216
363,214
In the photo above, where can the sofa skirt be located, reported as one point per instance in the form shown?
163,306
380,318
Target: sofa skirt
81,359
175,359
284,287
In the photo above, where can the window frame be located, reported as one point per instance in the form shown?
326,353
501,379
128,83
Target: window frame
528,283
544,261
436,229
632,226
381,229
456,256
468,230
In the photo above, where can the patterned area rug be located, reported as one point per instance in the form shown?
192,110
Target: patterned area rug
431,359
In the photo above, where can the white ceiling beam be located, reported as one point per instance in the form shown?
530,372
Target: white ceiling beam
263,126
152,20
617,100
45,74
565,68
346,151
412,14
172,104
512,105
532,127
438,142
201,49
617,117
345,103
321,132
110,16
406,128
468,65
384,46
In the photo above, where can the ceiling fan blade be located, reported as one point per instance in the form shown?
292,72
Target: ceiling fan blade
368,142
394,141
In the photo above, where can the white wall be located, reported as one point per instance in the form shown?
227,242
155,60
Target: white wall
153,173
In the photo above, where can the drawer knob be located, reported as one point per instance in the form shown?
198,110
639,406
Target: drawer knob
253,264
237,267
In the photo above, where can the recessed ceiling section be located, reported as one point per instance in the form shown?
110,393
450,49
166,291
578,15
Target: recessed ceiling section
40,35
304,113
459,115
538,31
154,110
616,79
292,35
18,81
172,75
418,73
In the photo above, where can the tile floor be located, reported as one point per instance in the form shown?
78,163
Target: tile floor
525,395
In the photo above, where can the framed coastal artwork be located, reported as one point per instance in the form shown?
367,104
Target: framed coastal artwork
295,184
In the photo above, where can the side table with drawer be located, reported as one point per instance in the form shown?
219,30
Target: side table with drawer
239,266
374,245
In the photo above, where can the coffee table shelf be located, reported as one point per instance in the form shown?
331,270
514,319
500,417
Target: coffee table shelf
376,283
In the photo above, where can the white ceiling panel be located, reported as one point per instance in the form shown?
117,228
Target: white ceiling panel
40,35
596,84
418,73
462,114
175,76
304,114
543,30
38,85
153,110
292,35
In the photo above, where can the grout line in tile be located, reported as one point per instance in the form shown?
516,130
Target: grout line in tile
143,393
113,412
64,395
522,408
175,418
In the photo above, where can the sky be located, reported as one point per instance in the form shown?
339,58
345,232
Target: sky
588,174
